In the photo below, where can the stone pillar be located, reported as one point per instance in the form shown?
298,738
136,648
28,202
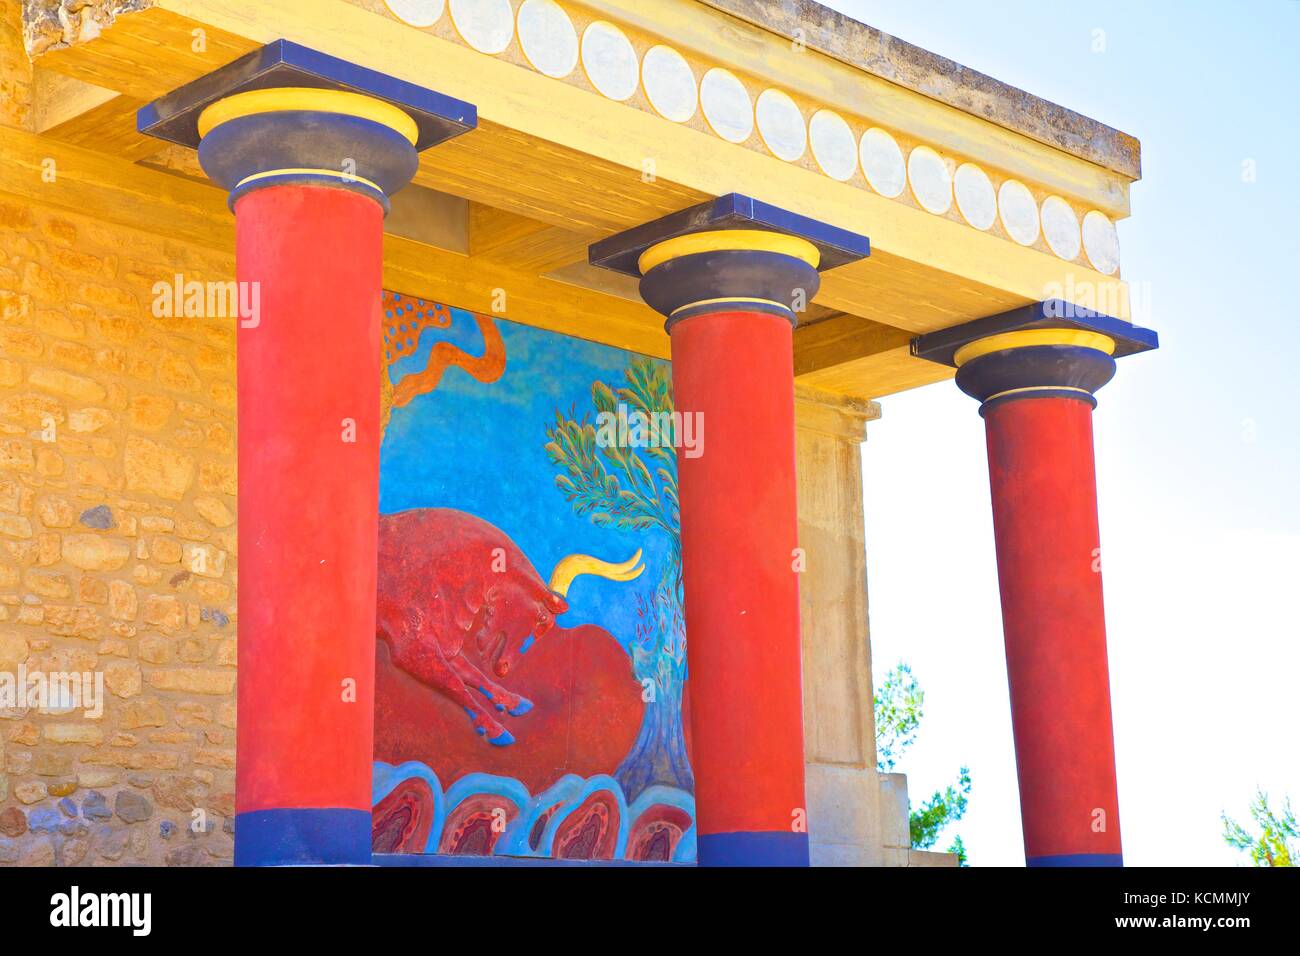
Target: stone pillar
729,276
309,169
843,788
1035,370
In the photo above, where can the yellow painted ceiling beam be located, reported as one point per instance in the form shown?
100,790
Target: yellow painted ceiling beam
86,115
848,354
50,173
156,51
525,244
58,99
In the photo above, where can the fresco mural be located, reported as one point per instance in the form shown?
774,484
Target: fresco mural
531,681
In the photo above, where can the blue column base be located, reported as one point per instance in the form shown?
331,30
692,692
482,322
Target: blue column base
1077,859
308,837
768,848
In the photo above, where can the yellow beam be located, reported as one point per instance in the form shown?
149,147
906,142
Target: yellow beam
58,99
842,338
848,354
479,286
874,376
524,244
51,173
148,53
83,114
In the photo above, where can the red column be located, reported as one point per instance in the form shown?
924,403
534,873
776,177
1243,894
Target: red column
1035,371
739,530
731,276
310,148
308,513
1045,522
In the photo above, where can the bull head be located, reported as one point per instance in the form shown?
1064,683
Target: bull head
562,578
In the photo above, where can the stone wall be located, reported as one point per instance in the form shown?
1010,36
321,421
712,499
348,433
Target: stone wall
117,539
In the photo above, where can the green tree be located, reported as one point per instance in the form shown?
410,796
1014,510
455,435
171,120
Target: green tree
1273,845
632,488
945,807
899,705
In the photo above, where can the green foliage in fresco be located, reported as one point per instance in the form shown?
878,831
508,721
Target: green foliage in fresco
632,488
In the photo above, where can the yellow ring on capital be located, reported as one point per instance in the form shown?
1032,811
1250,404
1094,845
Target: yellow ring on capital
729,240
1028,337
1037,388
737,300
280,100
299,170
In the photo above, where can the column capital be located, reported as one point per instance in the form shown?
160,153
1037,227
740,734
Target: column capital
288,114
730,253
1049,349
841,417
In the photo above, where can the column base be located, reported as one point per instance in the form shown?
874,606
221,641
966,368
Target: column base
306,837
1077,859
765,848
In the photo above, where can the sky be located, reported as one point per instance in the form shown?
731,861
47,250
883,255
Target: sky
1198,448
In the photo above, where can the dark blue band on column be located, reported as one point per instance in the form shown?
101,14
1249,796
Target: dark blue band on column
771,848
310,837
1077,859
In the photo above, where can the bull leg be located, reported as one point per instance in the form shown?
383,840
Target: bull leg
501,699
425,662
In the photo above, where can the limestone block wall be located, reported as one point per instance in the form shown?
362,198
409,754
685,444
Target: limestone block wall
117,546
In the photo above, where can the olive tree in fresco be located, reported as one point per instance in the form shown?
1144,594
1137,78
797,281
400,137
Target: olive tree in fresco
632,488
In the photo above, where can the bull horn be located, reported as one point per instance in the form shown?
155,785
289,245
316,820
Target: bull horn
571,566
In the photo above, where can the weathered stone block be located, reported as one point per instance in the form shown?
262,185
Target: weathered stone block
131,807
13,822
92,552
76,387
99,517
141,712
47,585
82,733
55,511
165,612
122,604
13,651
194,680
123,679
30,791
149,413
154,468
15,526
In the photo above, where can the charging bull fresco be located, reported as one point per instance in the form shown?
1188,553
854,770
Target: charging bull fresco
530,652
